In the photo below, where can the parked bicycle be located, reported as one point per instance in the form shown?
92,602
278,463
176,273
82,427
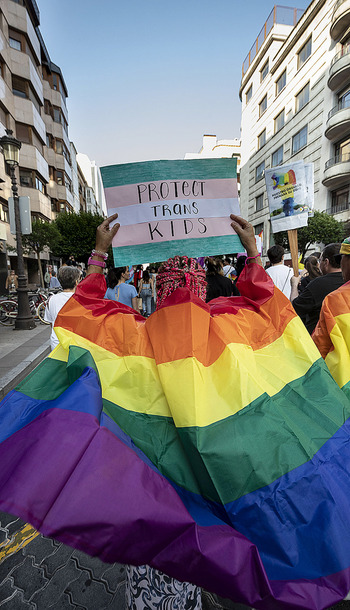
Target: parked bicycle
37,303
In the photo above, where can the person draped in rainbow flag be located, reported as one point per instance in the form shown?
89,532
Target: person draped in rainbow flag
209,441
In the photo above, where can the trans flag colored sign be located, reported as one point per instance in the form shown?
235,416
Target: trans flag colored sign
172,207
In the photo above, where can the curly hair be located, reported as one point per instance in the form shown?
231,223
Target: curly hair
180,271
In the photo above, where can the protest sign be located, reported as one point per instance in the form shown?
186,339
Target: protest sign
290,194
172,207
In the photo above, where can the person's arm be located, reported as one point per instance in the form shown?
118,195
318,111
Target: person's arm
295,281
104,238
140,287
304,304
134,303
245,232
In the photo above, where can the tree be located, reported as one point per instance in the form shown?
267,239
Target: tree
78,234
321,228
43,235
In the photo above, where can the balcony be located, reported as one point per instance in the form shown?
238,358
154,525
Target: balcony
339,71
340,19
338,122
337,171
339,208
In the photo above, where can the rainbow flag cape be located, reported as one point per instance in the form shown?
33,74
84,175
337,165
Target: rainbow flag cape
332,335
209,441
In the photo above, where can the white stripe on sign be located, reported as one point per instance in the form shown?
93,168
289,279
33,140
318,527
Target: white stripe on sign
175,209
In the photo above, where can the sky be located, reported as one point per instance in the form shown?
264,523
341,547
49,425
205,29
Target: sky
147,79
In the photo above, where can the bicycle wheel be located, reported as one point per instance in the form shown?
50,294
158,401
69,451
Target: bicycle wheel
8,312
41,312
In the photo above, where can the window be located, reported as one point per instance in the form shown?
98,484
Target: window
304,53
258,229
302,98
4,213
23,133
262,139
263,105
281,82
340,199
279,121
55,82
59,178
342,150
19,87
277,157
259,171
59,147
264,71
344,99
39,184
299,140
15,44
259,202
248,95
56,115
26,178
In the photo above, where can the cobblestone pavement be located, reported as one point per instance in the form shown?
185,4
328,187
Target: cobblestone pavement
38,573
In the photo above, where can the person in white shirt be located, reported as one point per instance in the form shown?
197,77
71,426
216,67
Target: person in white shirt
279,272
68,278
228,269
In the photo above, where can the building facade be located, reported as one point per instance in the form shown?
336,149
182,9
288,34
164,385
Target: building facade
33,105
295,93
95,197
212,148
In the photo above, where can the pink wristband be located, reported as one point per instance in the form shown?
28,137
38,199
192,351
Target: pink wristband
251,258
97,263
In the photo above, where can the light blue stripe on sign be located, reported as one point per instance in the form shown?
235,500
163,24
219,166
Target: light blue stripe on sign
203,246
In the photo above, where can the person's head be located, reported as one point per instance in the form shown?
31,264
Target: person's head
344,259
240,264
121,273
177,272
53,274
329,259
12,272
227,260
68,277
312,267
275,254
213,266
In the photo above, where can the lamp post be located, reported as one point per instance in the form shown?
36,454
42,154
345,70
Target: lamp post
24,319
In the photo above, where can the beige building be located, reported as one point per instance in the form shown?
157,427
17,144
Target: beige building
295,93
33,105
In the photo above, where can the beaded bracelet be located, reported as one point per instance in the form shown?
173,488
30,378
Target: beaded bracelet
97,263
99,253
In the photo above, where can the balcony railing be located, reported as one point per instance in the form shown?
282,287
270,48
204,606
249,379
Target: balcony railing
338,207
345,51
284,15
340,106
337,159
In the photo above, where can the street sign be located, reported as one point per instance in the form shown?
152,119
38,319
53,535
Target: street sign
24,213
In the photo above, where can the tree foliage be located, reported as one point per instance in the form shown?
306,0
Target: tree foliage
78,235
321,228
44,235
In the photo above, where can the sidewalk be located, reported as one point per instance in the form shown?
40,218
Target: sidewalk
20,352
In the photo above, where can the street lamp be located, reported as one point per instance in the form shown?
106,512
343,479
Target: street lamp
24,319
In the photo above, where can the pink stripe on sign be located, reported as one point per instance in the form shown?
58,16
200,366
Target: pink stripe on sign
166,230
161,190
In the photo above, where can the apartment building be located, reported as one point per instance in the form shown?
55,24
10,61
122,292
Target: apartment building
212,148
295,93
33,105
